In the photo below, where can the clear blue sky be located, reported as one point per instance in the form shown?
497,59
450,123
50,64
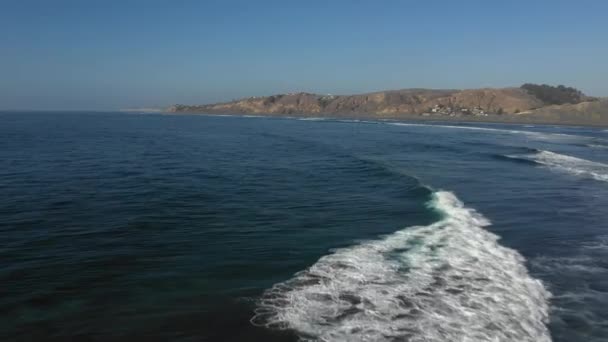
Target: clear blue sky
108,54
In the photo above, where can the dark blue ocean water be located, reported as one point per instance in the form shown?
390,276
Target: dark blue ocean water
123,227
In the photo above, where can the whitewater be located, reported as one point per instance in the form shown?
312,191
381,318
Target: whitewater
448,281
568,164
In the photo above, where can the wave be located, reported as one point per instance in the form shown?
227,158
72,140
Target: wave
568,164
583,305
331,119
234,115
515,159
459,127
448,281
359,121
312,119
540,135
596,146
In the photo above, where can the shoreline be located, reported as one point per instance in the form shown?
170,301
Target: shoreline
491,119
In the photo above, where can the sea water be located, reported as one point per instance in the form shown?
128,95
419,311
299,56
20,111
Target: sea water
126,227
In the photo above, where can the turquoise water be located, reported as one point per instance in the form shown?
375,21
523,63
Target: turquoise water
186,228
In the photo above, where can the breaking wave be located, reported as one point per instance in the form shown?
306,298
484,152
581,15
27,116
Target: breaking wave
568,164
533,134
597,146
460,127
448,281
312,119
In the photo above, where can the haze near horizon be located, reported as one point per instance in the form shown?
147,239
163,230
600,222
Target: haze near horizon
115,54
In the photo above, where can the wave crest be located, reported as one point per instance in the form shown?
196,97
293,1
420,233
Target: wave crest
568,164
448,281
597,146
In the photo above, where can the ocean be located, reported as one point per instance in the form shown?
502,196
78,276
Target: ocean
147,227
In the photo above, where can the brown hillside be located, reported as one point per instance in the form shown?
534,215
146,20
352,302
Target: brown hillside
381,104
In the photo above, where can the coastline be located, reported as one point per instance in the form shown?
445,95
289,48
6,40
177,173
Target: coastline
528,119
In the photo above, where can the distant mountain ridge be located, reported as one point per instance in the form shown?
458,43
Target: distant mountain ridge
502,104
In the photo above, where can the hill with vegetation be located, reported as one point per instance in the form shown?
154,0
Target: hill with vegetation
529,103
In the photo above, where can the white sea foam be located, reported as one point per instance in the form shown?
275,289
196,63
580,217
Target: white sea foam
533,134
597,146
449,281
458,127
474,128
312,119
335,120
572,165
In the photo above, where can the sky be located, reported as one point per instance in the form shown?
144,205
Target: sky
112,54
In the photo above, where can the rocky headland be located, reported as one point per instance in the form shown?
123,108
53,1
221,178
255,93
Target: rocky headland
529,103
